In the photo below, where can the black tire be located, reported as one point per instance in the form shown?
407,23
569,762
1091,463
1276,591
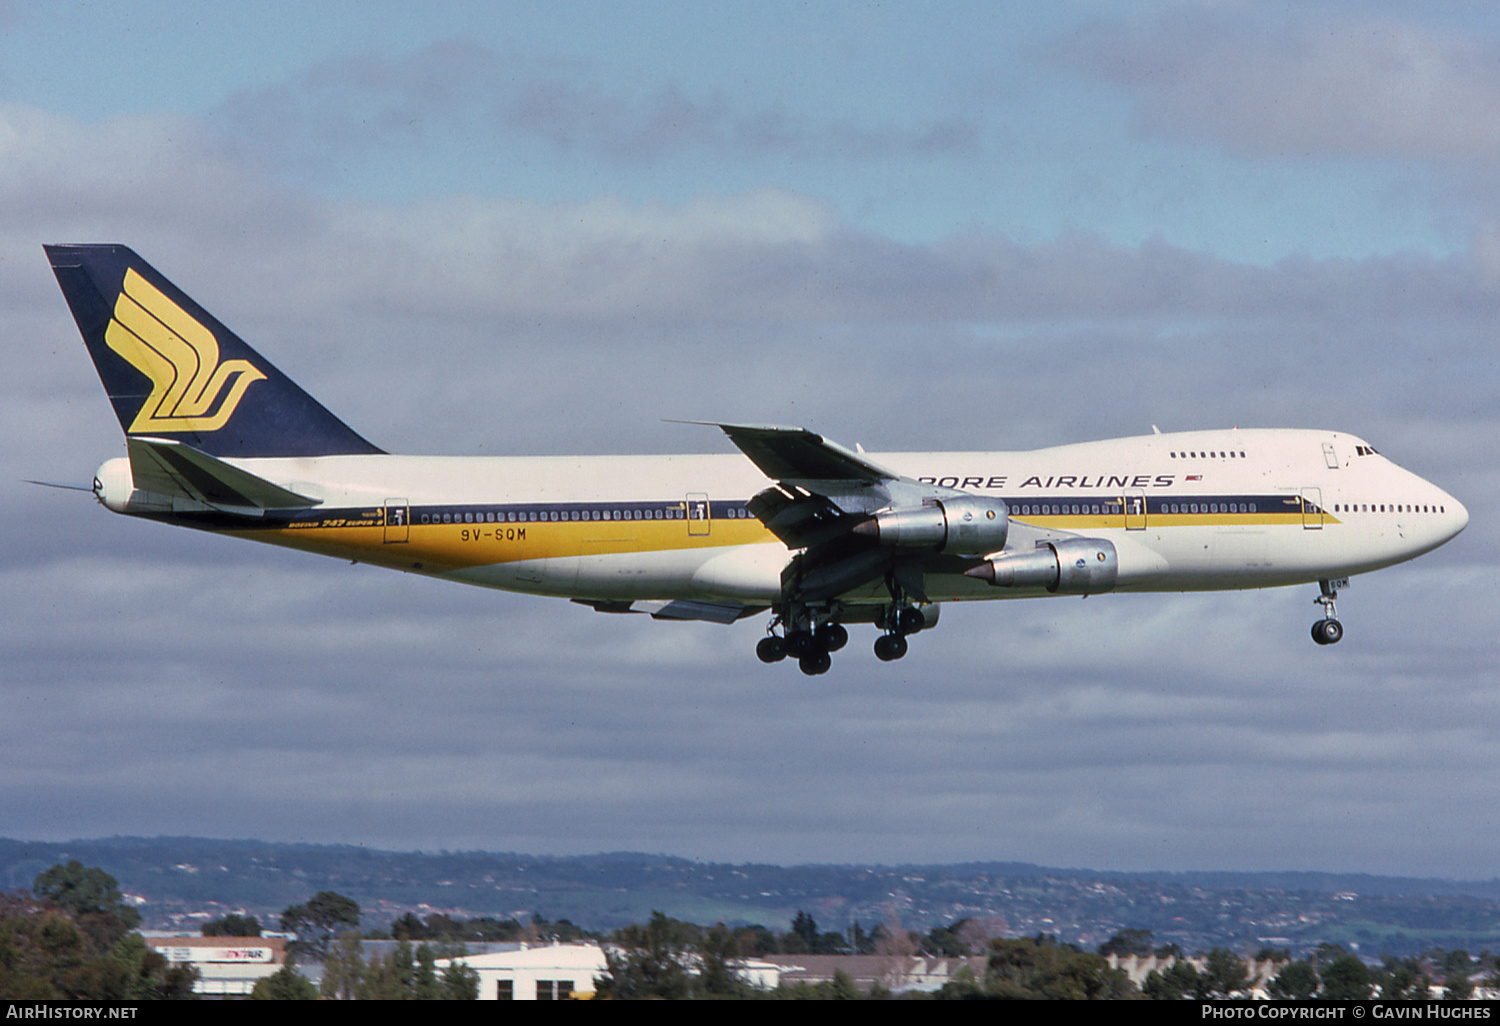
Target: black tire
909,620
801,643
814,664
1327,632
832,637
771,649
890,647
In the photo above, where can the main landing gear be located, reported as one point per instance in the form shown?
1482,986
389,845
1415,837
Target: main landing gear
1328,630
812,643
899,622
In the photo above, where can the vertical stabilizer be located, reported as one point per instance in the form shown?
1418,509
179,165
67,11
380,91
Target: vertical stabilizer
172,371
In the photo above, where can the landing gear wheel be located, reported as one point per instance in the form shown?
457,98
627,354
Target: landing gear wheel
771,649
909,620
801,643
832,636
1327,632
889,647
816,663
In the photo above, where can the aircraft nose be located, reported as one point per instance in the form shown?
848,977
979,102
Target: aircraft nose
1458,516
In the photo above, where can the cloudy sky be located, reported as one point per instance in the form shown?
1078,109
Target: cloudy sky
523,228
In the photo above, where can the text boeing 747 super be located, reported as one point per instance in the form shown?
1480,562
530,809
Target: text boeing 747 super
820,536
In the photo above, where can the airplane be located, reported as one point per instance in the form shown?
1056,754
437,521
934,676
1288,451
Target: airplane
819,535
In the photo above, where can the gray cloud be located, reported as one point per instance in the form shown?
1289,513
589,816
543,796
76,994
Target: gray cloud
668,120
1346,85
457,88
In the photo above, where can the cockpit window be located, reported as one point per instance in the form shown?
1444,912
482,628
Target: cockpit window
1366,450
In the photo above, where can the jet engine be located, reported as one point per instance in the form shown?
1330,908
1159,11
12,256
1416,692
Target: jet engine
962,524
1076,566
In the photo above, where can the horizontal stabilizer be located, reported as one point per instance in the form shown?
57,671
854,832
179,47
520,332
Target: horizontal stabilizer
170,468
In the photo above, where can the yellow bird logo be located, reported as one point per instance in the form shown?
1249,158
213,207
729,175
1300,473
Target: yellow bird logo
190,389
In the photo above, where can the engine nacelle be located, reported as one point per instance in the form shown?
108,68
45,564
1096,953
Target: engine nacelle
962,524
1076,566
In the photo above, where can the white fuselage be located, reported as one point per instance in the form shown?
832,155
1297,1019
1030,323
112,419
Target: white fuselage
1190,511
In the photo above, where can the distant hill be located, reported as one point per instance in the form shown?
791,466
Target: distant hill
181,881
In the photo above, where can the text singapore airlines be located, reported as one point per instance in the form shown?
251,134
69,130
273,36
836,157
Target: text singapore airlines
820,536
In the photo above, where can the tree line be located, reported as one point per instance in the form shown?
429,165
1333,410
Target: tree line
1328,973
668,958
72,937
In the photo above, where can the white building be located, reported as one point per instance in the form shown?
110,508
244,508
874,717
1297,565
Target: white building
553,972
227,966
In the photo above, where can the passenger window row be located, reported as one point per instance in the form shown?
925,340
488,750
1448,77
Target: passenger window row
1064,509
1395,507
1208,507
554,516
571,515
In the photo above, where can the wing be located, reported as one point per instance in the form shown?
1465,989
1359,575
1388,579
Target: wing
793,453
822,489
830,502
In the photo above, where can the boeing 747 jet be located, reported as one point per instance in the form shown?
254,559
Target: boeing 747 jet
817,535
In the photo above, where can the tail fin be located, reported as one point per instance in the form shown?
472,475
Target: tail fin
172,371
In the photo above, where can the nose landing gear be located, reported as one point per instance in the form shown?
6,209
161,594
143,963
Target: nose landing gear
1328,631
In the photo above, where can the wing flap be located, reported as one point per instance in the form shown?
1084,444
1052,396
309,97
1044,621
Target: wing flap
691,609
676,609
800,518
